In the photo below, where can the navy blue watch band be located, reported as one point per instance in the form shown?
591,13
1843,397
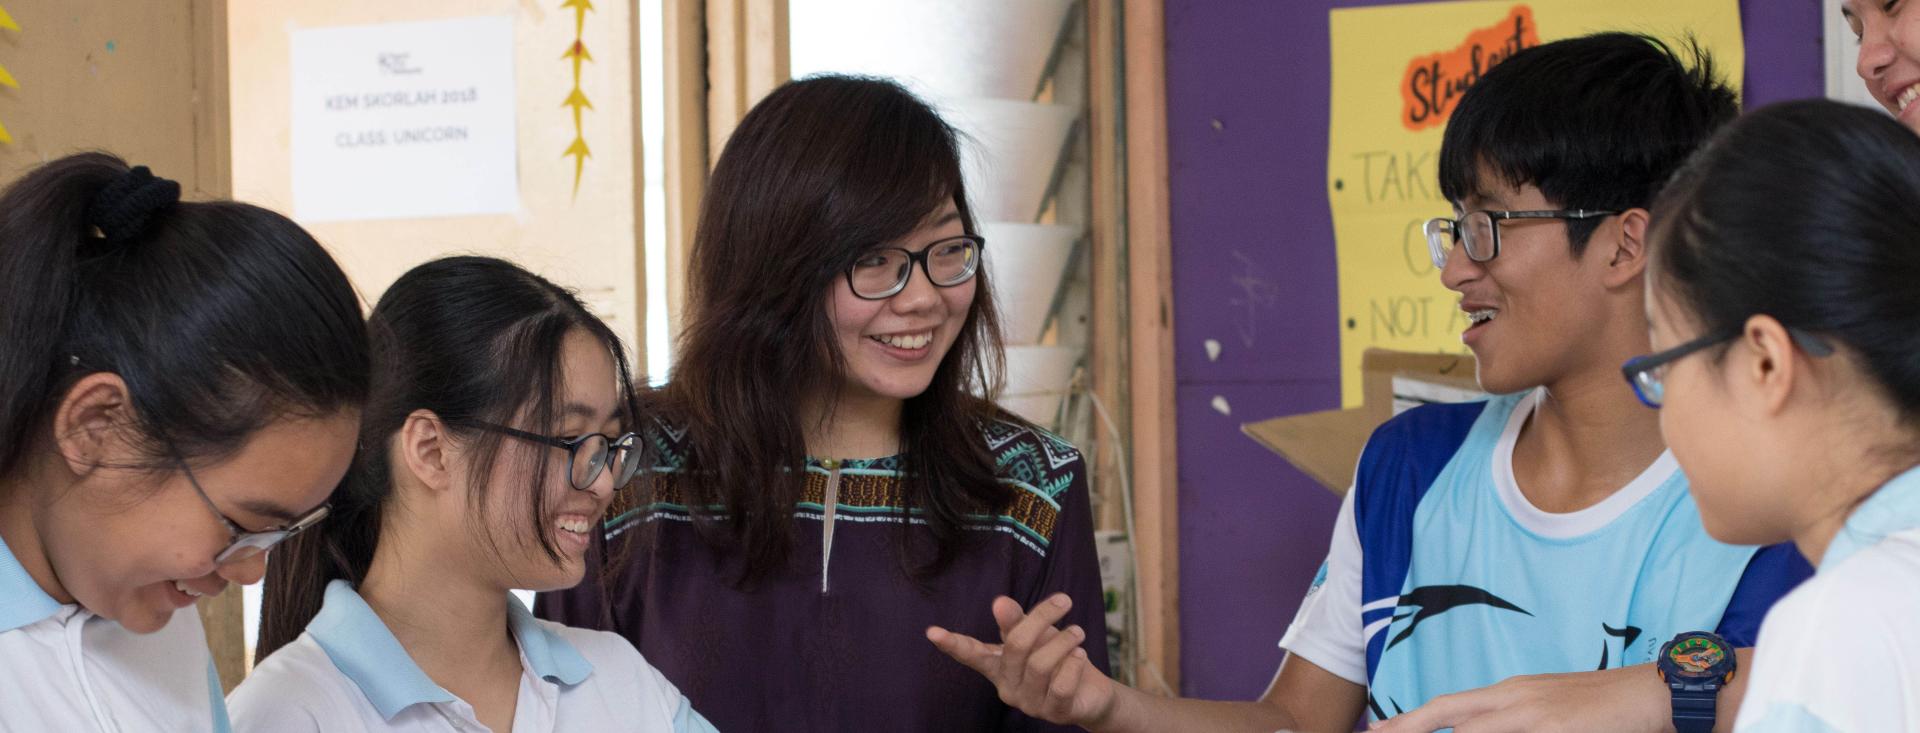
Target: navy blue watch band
1693,710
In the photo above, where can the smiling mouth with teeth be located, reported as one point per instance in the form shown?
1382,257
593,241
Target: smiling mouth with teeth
181,585
909,342
1481,316
1907,96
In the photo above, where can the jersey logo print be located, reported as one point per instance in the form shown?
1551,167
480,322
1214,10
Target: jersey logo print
1626,637
1378,712
1433,600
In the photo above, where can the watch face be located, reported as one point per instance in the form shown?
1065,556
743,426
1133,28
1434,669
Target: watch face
1696,655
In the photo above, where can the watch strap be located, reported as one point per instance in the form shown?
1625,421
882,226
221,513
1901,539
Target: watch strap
1694,710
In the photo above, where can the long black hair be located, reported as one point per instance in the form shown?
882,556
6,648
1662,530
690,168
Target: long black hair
220,317
473,340
818,173
1809,212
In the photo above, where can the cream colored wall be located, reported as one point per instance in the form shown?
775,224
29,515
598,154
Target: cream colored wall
588,243
88,68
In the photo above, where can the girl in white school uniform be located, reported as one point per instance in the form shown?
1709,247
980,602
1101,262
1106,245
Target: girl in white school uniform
180,388
494,438
1784,293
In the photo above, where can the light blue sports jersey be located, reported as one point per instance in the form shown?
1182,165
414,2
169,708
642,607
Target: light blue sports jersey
1464,583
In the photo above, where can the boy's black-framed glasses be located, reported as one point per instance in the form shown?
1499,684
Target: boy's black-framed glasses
1479,231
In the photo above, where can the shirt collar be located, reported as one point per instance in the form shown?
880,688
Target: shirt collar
365,650
22,602
1893,508
545,652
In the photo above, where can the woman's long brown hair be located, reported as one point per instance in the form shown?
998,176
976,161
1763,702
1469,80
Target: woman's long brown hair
819,172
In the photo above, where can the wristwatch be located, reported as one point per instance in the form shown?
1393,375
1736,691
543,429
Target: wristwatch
1695,665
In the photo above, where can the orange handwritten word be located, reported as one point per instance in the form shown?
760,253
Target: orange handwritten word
1434,81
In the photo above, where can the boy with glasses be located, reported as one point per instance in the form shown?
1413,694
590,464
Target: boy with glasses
1518,563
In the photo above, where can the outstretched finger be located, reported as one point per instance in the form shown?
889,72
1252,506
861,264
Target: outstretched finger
978,655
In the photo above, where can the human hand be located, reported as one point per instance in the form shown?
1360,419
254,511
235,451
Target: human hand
1037,668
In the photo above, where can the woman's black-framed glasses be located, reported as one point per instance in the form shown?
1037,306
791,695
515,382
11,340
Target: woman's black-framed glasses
1479,231
587,455
883,273
1647,373
244,544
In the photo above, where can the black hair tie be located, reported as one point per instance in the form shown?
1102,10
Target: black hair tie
122,209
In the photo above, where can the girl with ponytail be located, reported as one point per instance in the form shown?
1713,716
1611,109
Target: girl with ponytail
494,438
180,387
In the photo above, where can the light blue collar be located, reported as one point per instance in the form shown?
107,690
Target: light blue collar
1895,507
22,601
550,656
364,650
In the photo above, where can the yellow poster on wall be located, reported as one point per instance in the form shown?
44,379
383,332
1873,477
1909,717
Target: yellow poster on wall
1397,70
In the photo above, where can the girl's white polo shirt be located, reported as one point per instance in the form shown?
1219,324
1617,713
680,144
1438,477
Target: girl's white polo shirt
64,669
347,672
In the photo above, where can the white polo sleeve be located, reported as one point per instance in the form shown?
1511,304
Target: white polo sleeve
1841,652
1328,630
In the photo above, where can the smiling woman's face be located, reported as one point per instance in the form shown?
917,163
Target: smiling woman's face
893,346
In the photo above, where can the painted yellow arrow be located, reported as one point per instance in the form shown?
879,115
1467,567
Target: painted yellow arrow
577,53
579,153
578,101
580,8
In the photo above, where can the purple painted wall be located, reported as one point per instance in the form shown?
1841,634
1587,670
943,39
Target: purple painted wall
1253,268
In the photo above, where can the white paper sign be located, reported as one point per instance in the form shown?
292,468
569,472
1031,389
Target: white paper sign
404,120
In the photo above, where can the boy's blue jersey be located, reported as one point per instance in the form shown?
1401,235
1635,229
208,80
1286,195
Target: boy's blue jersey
1464,583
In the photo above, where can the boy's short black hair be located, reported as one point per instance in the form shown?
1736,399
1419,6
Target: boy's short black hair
1596,122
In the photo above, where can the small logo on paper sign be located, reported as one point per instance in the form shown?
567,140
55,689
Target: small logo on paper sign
1433,82
397,63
